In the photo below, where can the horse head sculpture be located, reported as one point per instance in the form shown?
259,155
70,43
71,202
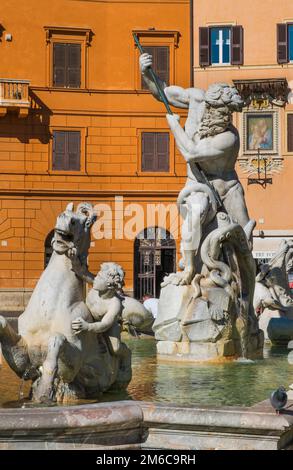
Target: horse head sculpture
72,230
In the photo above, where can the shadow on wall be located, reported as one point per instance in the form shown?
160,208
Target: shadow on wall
2,29
35,126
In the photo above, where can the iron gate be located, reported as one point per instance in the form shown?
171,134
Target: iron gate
154,258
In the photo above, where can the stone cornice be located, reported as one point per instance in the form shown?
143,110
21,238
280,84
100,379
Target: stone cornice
154,33
52,193
51,30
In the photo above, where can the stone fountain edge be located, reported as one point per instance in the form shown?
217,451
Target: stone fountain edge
146,425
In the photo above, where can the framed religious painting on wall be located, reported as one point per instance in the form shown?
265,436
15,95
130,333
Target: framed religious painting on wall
260,140
260,131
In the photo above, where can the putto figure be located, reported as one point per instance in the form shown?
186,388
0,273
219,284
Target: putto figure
105,307
109,308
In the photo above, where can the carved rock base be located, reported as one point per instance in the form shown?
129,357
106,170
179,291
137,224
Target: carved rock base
191,329
206,352
194,352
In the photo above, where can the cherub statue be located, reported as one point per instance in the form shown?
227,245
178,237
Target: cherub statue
104,304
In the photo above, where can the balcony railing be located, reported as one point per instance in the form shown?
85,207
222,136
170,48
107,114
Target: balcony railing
14,94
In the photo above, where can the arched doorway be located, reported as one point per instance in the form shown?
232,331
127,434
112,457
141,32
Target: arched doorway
154,258
48,248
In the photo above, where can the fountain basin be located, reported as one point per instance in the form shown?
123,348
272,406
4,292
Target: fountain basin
166,406
143,425
225,428
103,425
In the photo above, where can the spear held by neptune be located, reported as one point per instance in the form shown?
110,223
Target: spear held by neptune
200,173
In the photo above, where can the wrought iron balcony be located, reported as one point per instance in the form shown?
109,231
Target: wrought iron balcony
273,90
14,94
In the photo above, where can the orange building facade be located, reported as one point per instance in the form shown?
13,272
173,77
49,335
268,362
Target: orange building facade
75,126
250,44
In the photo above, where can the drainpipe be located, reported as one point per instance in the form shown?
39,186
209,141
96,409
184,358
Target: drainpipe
191,43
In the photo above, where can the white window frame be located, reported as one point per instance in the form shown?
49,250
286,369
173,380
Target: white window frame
219,42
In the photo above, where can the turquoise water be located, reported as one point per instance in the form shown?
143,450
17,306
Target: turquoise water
234,383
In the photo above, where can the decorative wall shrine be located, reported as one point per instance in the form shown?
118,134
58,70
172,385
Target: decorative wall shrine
260,154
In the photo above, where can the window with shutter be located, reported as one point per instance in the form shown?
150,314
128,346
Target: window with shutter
237,45
282,46
155,152
161,62
148,151
220,45
73,149
290,132
204,46
73,65
59,65
66,151
162,150
59,150
67,65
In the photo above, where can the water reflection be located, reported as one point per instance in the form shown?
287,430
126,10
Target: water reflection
232,383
